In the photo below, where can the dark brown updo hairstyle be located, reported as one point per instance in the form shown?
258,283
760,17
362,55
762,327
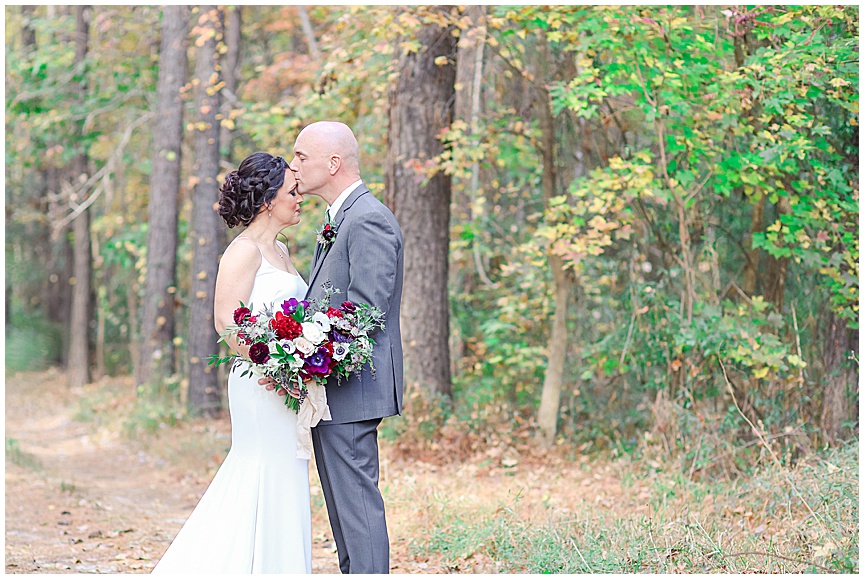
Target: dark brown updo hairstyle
253,185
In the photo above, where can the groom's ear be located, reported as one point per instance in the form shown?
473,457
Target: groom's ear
334,164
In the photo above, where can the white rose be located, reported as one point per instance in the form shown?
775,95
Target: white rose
312,332
272,363
304,346
322,320
339,351
296,363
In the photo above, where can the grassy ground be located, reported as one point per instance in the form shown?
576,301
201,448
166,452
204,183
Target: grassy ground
97,481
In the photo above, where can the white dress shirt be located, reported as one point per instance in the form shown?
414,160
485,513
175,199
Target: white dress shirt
332,210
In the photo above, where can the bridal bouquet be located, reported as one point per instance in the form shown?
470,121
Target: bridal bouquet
301,344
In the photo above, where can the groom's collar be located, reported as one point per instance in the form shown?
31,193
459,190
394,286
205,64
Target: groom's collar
334,209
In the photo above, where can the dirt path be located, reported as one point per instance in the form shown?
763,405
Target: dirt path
79,500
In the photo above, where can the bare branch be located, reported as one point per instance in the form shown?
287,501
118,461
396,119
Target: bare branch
106,170
309,34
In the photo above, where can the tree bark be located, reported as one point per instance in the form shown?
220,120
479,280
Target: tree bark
841,377
547,414
775,280
156,357
468,106
469,77
309,34
230,75
421,105
79,339
204,391
751,269
28,33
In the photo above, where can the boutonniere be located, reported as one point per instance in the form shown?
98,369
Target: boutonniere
326,234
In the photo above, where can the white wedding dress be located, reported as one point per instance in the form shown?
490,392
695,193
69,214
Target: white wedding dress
255,516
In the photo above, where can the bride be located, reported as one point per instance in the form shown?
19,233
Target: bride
255,516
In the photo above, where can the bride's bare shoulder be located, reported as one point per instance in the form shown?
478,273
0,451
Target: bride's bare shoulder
241,251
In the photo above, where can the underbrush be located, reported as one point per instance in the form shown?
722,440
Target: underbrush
32,343
702,440
779,520
156,422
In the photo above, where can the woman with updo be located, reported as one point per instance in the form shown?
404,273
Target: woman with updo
255,516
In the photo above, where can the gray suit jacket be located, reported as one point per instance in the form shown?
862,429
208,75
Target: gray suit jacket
365,263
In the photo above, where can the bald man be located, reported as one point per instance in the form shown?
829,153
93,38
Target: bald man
364,261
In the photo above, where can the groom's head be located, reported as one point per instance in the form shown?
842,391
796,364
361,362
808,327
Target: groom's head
326,159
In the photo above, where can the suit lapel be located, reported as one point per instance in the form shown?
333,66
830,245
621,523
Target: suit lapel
321,251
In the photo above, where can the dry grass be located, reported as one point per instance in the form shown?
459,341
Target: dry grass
505,505
616,517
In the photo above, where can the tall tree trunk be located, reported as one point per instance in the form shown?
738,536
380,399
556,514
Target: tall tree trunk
101,315
751,268
204,391
79,340
775,280
550,399
469,88
421,105
309,34
468,107
28,33
156,357
743,46
841,377
230,76
134,334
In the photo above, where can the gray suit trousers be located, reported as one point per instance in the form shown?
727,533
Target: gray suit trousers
347,459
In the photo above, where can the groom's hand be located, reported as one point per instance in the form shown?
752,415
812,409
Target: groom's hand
270,384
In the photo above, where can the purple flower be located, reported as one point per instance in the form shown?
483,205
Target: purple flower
290,306
259,353
318,363
305,304
340,337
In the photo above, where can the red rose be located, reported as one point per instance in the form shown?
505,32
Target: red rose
348,307
240,314
334,313
286,327
252,319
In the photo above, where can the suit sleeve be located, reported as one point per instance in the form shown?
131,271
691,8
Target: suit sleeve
373,251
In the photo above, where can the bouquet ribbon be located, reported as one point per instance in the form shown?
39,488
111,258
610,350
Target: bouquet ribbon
313,410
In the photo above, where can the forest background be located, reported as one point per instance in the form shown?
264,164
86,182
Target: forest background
629,230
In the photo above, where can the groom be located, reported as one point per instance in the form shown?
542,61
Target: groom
364,261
